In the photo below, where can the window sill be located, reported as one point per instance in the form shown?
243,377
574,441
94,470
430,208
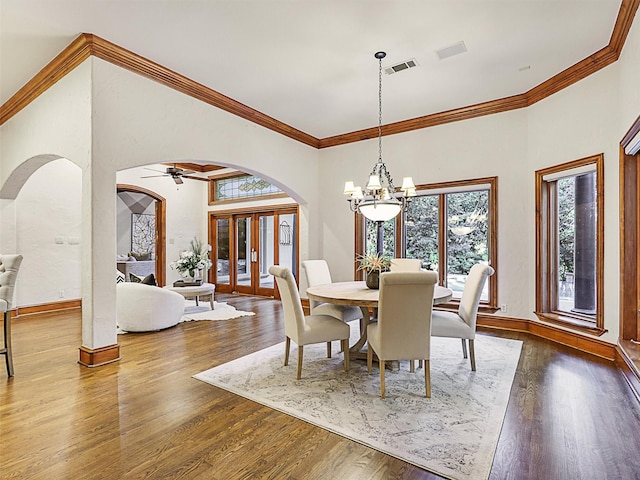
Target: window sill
453,306
571,322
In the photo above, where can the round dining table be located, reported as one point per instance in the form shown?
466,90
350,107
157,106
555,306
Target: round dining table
359,295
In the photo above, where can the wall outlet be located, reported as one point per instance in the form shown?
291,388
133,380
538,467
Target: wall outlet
503,308
61,293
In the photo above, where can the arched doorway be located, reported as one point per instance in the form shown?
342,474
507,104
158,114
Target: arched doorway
160,228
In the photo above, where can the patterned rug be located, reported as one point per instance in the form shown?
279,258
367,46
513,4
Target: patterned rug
453,434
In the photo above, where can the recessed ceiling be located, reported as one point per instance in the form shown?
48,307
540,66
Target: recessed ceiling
310,63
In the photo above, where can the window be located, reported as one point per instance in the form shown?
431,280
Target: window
238,187
569,246
450,227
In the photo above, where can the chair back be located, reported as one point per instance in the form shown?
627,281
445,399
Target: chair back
406,265
404,314
468,309
9,266
294,320
317,272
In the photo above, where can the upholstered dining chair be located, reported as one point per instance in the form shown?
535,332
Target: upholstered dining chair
9,266
306,330
406,265
317,272
404,322
463,323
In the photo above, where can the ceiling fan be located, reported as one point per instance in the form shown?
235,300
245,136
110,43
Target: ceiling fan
177,174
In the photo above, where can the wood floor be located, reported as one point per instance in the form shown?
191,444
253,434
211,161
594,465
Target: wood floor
570,416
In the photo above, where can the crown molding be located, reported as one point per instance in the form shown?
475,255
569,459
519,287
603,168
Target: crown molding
87,44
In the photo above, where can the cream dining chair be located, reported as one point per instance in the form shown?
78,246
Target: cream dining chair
305,330
406,265
317,273
463,323
404,322
9,266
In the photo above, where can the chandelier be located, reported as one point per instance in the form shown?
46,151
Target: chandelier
381,200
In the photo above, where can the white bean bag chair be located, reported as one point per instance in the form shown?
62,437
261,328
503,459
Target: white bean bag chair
145,308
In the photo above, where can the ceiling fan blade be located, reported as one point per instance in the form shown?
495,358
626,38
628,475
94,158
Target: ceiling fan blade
154,176
185,172
196,178
154,170
178,180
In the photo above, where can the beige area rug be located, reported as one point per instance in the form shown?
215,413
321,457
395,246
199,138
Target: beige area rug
453,434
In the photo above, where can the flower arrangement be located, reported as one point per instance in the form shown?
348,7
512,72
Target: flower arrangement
197,258
374,262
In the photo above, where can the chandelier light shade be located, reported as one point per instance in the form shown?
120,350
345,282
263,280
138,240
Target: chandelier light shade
380,200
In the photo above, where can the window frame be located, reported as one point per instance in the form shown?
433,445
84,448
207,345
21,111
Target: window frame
546,251
444,188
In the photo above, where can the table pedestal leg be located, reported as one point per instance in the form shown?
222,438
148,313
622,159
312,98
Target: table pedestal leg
356,350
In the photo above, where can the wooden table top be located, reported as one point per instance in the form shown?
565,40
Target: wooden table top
358,294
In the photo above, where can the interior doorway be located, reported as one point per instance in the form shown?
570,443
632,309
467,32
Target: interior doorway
159,209
246,243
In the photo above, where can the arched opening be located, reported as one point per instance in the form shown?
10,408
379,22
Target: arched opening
160,227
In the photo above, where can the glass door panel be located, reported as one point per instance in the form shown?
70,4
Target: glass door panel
222,242
245,253
267,251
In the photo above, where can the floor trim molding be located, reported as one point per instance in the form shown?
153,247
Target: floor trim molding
47,307
629,371
590,345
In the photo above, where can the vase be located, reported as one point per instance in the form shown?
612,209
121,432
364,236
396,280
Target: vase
373,280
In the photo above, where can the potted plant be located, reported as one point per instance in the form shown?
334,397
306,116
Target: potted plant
193,261
374,264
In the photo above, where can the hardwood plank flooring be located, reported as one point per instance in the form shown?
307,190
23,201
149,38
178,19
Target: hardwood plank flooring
570,416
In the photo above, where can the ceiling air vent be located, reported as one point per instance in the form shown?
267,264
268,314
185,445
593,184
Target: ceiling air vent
451,50
401,66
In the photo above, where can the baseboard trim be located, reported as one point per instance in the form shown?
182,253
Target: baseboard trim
99,356
629,371
593,346
47,307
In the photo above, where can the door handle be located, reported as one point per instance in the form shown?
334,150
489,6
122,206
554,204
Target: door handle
254,256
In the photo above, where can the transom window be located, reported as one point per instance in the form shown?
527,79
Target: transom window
570,247
240,187
450,227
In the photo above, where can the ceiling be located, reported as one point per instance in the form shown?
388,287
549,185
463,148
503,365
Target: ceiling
310,63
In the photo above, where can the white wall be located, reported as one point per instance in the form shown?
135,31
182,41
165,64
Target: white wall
56,125
48,234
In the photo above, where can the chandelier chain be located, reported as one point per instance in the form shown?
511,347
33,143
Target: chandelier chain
380,110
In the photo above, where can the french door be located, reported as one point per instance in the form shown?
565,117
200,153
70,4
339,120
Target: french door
246,244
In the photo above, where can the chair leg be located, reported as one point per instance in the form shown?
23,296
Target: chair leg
464,348
345,349
299,372
328,349
472,355
7,343
412,366
427,377
381,366
287,347
369,358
